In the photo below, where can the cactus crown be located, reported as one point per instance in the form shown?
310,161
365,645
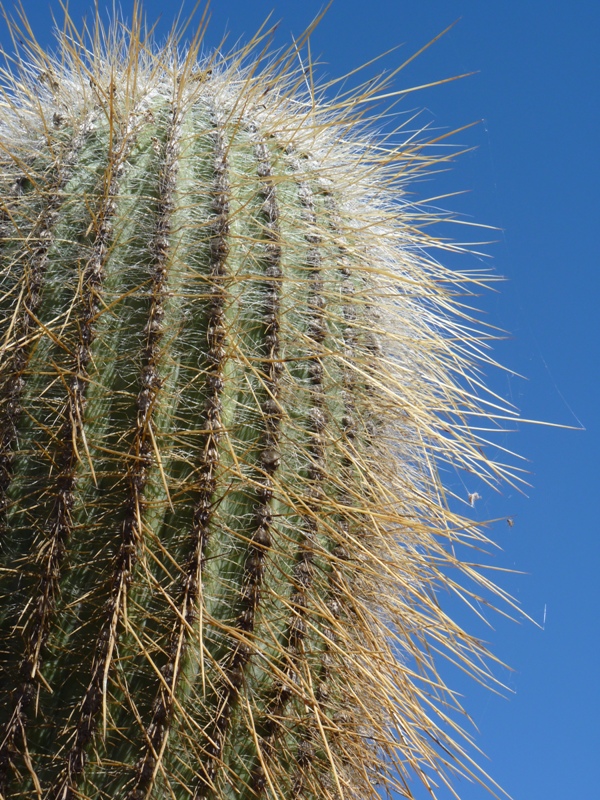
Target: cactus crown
229,369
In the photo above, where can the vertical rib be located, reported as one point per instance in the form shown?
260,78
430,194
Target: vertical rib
142,459
36,628
157,732
303,573
291,684
336,572
267,464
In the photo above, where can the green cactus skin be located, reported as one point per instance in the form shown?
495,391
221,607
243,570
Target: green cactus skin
227,374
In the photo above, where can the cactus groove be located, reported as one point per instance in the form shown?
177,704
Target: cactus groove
229,370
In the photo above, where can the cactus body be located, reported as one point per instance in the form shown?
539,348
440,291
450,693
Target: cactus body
228,373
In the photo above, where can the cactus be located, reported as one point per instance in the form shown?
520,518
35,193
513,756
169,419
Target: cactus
230,368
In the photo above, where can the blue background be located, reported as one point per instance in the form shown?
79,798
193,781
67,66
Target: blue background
535,176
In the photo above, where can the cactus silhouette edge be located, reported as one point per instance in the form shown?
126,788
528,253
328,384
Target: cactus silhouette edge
230,368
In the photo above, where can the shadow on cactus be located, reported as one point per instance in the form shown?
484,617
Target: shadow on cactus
228,371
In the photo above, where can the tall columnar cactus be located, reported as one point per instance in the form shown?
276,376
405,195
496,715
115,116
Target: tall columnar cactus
229,370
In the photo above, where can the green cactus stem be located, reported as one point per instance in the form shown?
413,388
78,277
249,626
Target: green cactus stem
229,371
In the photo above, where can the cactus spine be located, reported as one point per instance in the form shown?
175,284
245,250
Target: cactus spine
228,372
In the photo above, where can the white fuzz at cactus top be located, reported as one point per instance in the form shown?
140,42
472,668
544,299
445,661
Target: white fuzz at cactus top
230,368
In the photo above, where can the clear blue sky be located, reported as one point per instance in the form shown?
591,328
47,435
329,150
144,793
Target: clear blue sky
535,175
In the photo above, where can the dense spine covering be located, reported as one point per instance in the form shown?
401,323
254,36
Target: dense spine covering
227,375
